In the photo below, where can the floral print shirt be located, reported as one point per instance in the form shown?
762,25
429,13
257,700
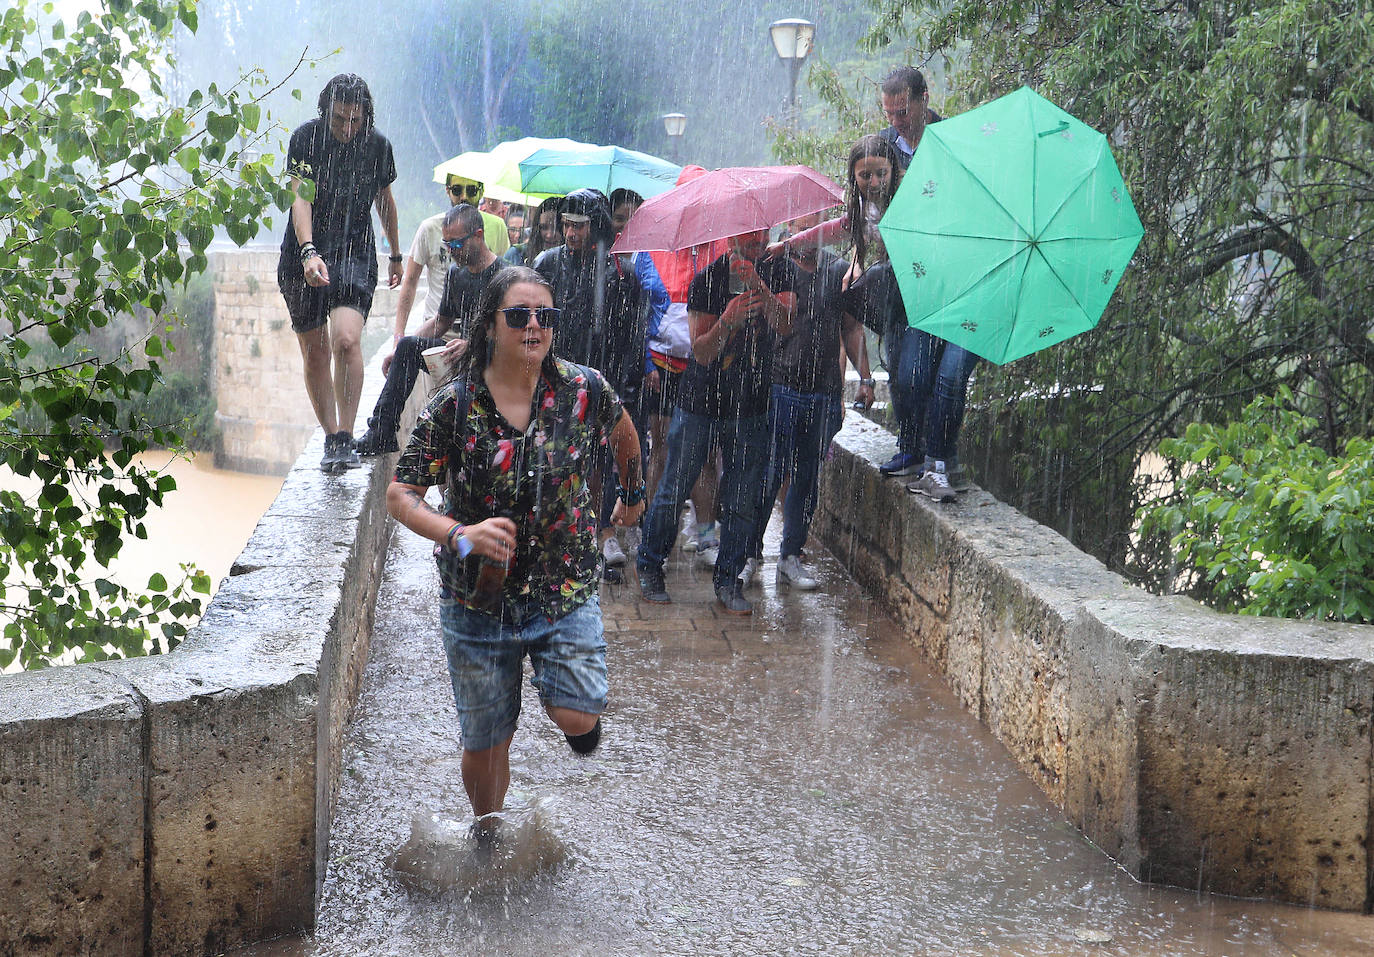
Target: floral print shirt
537,478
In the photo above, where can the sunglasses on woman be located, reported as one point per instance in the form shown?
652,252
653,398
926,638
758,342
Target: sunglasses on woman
471,190
518,317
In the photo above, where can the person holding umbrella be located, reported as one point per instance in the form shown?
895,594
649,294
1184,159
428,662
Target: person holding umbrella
736,307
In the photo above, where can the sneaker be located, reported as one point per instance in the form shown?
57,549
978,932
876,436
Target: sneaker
689,538
791,573
653,587
749,574
707,555
934,484
585,743
903,463
731,598
375,442
347,455
330,461
612,552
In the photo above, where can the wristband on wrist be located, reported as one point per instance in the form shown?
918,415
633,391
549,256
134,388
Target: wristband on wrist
395,257
632,497
871,383
463,547
308,250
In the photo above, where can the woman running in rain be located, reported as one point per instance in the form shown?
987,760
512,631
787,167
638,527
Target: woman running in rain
516,544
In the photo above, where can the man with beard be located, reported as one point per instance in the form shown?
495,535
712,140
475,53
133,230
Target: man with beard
602,325
472,267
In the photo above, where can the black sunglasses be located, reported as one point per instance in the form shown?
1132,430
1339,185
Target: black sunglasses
518,317
456,244
473,190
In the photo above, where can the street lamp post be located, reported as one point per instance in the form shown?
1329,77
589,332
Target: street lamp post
674,124
793,39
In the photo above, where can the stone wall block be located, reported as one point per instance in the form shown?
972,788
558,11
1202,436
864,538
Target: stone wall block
1255,776
71,814
231,798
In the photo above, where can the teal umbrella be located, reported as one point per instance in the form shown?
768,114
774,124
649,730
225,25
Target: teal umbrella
605,168
1011,228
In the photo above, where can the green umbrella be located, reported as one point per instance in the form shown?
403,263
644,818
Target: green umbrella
606,168
1011,228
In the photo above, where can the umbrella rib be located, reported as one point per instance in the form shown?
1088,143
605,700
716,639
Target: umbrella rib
983,186
1071,193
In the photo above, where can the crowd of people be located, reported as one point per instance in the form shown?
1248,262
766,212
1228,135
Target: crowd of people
592,396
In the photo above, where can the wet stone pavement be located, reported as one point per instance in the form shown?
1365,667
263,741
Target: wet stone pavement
794,783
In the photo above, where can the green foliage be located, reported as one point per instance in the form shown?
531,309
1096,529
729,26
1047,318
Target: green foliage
1263,522
1246,136
110,193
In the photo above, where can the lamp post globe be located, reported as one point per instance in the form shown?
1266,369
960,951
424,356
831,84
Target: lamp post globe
792,39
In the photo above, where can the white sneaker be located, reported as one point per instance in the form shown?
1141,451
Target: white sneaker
749,574
615,557
790,572
689,527
707,555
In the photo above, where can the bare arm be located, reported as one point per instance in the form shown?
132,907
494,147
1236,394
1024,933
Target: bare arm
624,442
856,347
493,537
302,221
405,300
386,210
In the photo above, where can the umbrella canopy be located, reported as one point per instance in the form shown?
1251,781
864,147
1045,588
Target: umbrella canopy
1011,228
727,202
499,168
600,167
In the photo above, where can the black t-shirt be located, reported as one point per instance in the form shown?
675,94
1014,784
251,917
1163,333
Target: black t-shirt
738,383
348,177
462,289
809,357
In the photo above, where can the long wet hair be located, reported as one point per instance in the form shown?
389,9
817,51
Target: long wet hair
535,244
348,88
868,146
477,356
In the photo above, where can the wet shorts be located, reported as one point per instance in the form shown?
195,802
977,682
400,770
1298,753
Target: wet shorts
309,306
486,660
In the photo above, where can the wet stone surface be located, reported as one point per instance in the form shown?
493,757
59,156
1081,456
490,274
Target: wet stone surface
794,783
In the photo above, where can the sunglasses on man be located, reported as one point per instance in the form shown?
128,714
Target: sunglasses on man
471,190
456,244
518,317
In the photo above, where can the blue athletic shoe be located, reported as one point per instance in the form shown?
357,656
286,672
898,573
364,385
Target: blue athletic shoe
903,463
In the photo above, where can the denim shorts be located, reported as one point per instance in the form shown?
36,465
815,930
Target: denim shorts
486,659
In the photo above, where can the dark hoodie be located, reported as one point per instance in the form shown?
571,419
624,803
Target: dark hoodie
602,324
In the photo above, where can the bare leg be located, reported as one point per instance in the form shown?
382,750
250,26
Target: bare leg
319,383
572,722
345,339
486,776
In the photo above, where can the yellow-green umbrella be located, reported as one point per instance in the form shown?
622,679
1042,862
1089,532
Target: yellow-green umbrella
1011,228
499,168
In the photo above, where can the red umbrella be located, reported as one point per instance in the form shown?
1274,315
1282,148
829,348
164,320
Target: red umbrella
727,202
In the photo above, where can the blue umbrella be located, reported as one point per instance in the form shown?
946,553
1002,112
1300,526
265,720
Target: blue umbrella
606,168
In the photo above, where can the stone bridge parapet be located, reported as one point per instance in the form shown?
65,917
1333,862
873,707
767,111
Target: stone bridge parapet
1225,753
181,803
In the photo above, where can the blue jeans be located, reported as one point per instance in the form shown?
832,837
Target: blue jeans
744,452
486,658
802,425
928,381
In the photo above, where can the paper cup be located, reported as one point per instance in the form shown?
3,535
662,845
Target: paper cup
435,362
